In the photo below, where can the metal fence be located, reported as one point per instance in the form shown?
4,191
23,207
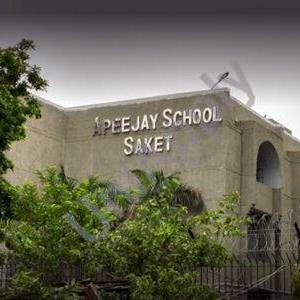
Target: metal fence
267,276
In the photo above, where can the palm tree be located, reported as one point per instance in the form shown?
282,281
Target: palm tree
110,190
70,182
152,183
115,198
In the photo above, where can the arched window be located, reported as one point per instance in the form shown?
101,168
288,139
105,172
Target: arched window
268,166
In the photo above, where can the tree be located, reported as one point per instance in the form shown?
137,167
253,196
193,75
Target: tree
40,236
111,192
41,240
153,248
155,251
152,183
18,79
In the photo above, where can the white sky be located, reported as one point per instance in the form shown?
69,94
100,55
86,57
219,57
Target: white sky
93,59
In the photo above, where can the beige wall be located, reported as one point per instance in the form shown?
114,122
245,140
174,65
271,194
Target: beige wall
43,146
216,158
204,155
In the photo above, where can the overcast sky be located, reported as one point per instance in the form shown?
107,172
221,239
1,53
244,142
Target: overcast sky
94,52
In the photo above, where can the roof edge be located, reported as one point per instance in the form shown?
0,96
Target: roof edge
147,99
48,102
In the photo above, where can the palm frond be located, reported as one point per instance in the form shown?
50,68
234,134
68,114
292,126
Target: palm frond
106,185
152,183
110,193
143,177
189,197
70,182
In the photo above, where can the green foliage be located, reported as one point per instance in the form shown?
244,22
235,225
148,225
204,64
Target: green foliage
67,292
28,286
169,284
158,245
17,80
6,196
156,251
158,248
152,183
225,221
111,193
40,236
296,283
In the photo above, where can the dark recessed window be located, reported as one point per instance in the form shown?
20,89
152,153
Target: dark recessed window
268,166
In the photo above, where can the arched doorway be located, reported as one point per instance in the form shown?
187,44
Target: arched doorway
268,166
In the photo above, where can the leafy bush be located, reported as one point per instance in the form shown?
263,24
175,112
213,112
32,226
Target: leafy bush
28,286
158,252
18,79
41,237
158,246
296,283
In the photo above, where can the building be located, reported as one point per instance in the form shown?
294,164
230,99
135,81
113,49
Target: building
216,143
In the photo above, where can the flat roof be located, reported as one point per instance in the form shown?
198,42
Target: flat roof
168,97
136,100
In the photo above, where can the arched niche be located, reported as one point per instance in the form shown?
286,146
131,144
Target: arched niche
268,166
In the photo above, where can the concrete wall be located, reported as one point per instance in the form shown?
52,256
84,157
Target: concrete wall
205,155
43,146
216,158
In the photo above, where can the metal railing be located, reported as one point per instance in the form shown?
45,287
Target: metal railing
266,275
